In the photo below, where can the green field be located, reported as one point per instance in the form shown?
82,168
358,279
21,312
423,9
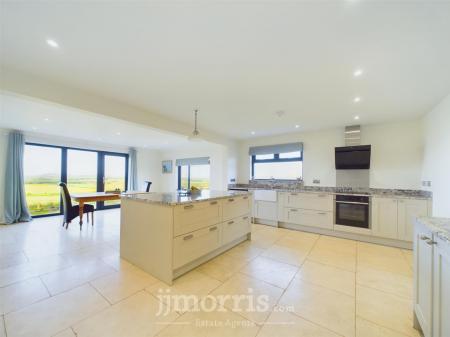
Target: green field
43,194
202,184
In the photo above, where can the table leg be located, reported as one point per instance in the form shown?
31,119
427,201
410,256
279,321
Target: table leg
81,204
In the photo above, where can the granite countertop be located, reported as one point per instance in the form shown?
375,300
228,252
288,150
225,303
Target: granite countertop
439,226
173,198
378,192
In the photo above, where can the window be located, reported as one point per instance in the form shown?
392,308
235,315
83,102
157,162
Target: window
82,170
42,171
193,172
283,166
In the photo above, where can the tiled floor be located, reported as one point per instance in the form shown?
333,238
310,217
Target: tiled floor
57,282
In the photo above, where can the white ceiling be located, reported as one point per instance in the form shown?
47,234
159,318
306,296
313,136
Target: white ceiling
240,62
42,118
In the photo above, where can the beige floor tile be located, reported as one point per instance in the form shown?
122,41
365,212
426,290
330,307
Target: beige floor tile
408,254
252,291
245,251
31,269
391,264
298,240
263,239
140,315
66,333
325,307
210,324
393,283
194,284
333,258
365,248
368,329
385,309
119,285
284,254
328,277
336,244
69,278
222,267
289,325
21,294
270,271
55,314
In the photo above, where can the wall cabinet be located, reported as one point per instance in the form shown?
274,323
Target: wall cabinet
394,218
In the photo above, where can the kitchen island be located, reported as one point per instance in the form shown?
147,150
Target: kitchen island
167,234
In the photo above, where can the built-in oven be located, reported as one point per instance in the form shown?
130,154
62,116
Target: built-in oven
353,210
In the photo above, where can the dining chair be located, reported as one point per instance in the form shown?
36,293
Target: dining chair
148,183
70,211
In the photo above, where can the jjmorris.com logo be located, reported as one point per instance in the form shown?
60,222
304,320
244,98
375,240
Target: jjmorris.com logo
248,302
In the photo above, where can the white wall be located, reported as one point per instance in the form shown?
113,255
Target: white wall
436,166
149,168
222,164
397,152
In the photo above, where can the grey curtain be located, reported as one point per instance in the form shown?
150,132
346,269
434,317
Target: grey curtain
133,180
16,209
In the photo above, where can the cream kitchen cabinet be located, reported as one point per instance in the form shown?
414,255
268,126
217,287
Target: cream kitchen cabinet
307,217
384,217
423,280
393,218
265,205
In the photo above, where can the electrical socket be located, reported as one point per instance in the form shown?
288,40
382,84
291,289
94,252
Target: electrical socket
316,181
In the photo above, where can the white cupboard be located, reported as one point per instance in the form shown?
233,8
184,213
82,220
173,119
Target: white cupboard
423,282
408,210
441,288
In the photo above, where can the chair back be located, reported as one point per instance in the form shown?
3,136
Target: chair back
149,183
67,201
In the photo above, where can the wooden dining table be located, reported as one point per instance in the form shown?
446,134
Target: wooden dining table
83,198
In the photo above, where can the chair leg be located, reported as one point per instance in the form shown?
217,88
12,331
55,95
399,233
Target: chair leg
67,224
87,216
92,218
63,223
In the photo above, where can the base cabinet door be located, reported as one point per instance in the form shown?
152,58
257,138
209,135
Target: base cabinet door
423,277
266,210
385,217
235,228
441,291
408,210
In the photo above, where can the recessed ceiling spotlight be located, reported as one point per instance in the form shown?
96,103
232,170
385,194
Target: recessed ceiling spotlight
118,133
356,118
297,126
358,72
357,99
52,43
46,119
253,132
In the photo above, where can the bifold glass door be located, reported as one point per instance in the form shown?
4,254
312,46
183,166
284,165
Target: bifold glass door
83,171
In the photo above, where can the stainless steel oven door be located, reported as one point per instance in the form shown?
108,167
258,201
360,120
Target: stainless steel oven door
354,214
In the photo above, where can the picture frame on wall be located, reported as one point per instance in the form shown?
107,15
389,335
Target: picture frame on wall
167,166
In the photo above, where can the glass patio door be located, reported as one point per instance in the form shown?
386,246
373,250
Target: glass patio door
115,171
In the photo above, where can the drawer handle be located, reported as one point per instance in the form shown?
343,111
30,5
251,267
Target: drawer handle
424,237
294,194
213,203
322,213
321,195
245,218
212,229
188,237
230,200
245,198
293,210
230,222
188,206
431,242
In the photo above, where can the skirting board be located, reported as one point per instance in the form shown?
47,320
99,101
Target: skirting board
348,235
265,222
188,267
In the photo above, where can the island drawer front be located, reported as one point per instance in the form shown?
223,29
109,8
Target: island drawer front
320,202
235,228
308,217
188,247
191,217
234,207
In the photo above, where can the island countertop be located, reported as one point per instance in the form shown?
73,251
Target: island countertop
439,226
174,198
